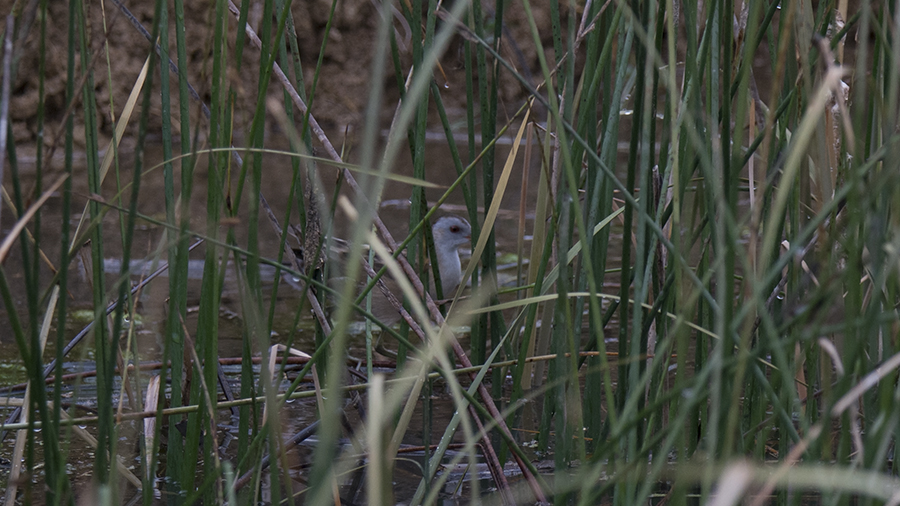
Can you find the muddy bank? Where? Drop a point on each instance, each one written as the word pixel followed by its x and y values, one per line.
pixel 344 79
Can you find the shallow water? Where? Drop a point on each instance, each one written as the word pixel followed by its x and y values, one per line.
pixel 150 318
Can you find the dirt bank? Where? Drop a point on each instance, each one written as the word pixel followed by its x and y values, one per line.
pixel 344 79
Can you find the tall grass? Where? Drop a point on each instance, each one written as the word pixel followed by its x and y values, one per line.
pixel 709 308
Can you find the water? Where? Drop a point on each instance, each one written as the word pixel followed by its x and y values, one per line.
pixel 149 320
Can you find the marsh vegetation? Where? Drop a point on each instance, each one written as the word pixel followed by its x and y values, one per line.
pixel 683 282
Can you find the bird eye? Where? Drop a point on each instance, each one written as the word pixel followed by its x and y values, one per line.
pixel 454 229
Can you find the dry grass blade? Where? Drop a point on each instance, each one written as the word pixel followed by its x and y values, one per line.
pixel 123 121
pixel 25 218
pixel 151 402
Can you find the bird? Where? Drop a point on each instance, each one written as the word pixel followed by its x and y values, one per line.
pixel 449 232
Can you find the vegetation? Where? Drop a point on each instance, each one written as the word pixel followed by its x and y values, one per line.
pixel 708 310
